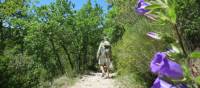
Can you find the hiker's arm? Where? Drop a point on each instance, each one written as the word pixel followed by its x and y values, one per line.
pixel 111 53
pixel 98 52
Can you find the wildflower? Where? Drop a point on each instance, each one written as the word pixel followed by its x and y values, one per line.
pixel 159 83
pixel 161 65
pixel 153 35
pixel 140 7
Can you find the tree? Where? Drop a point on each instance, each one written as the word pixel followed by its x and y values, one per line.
pixel 89 21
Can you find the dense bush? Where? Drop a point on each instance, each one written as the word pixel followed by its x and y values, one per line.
pixel 134 52
pixel 20 72
pixel 188 21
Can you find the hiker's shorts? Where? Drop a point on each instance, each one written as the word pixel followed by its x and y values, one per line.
pixel 104 61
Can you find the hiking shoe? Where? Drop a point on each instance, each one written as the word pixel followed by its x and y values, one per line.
pixel 103 74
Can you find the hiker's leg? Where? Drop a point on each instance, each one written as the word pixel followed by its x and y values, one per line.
pixel 105 68
pixel 102 70
pixel 107 71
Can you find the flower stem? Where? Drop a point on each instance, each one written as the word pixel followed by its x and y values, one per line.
pixel 180 40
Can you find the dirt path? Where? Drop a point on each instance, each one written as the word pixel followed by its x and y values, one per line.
pixel 94 80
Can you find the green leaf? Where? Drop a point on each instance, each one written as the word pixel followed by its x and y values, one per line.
pixel 166 1
pixel 154 6
pixel 176 49
pixel 163 4
pixel 163 16
pixel 197 80
pixel 195 55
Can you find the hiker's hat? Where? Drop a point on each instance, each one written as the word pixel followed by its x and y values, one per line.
pixel 106 43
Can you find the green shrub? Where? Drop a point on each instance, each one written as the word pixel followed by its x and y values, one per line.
pixel 19 72
pixel 133 53
pixel 188 21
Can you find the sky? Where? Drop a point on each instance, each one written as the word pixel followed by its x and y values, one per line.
pixel 78 3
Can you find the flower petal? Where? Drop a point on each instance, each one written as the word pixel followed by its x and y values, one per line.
pixel 172 70
pixel 159 83
pixel 157 62
pixel 160 65
pixel 140 7
pixel 153 35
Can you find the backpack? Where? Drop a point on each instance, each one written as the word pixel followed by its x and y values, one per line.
pixel 106 51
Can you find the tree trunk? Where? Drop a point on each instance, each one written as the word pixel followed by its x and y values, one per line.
pixel 2 46
pixel 68 55
pixel 57 55
pixel 79 61
pixel 22 43
pixel 85 52
pixel 66 51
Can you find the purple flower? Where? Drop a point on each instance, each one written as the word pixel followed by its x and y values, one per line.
pixel 157 62
pixel 162 66
pixel 153 35
pixel 159 83
pixel 140 8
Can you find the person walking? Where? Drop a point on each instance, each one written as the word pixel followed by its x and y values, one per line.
pixel 104 56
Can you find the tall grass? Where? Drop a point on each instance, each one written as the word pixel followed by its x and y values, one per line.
pixel 132 54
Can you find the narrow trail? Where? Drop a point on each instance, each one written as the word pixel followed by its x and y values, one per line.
pixel 94 80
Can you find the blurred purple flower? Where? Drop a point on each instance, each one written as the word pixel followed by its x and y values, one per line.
pixel 153 35
pixel 162 66
pixel 157 62
pixel 159 83
pixel 140 8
